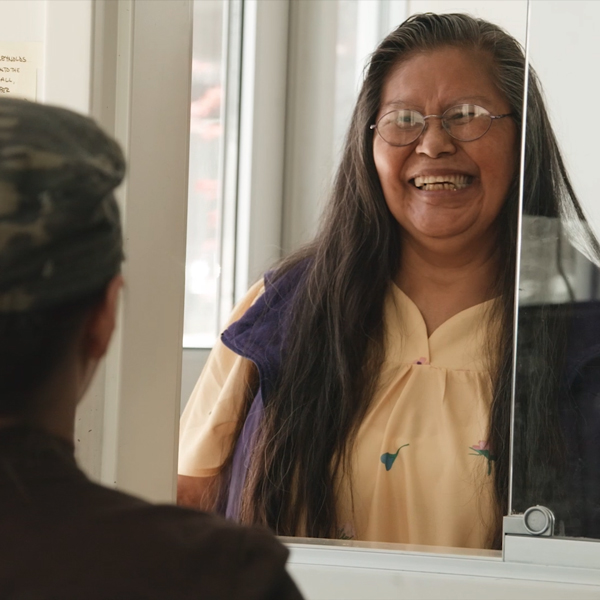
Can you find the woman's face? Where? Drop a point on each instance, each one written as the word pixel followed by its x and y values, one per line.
pixel 431 83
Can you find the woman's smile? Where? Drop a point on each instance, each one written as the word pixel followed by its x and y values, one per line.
pixel 435 183
pixel 443 190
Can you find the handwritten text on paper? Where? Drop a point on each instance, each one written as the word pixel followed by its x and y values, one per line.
pixel 19 64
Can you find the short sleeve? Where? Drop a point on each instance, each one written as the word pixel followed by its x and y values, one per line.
pixel 210 419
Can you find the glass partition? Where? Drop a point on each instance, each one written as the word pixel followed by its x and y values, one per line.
pixel 361 24
pixel 556 453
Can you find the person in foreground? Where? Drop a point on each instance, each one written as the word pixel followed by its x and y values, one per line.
pixel 362 389
pixel 62 536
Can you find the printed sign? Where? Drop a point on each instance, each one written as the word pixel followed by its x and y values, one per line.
pixel 19 64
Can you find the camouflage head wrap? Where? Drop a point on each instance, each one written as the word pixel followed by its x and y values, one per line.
pixel 60 230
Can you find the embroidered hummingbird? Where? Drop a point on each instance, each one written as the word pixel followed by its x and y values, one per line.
pixel 388 458
pixel 483 449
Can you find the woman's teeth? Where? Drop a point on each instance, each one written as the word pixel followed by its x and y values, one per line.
pixel 430 183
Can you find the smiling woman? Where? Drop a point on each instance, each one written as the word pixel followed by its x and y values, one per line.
pixel 362 390
pixel 444 192
pixel 483 166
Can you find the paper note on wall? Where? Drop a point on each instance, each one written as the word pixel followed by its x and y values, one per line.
pixel 19 63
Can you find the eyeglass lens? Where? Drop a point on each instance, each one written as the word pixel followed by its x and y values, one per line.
pixel 465 122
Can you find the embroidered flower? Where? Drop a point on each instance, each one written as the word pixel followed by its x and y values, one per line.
pixel 388 458
pixel 483 449
pixel 421 361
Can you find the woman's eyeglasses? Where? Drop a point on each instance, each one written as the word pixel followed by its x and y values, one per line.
pixel 464 122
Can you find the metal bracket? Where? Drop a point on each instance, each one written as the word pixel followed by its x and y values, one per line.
pixel 536 520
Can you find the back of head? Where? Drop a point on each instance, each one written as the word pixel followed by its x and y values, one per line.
pixel 60 237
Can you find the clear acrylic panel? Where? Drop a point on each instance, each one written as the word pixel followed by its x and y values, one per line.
pixel 556 452
pixel 361 25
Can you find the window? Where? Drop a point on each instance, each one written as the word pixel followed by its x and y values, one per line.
pixel 212 169
pixel 361 25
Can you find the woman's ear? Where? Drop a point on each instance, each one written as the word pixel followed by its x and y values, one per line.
pixel 101 321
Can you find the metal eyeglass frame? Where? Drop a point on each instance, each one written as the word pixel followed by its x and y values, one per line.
pixel 444 124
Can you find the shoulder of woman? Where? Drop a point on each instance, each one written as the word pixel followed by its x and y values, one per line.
pixel 271 293
pixel 249 299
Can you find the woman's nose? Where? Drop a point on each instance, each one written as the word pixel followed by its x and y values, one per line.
pixel 435 140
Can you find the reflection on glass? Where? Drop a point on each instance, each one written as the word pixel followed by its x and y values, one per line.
pixel 346 86
pixel 204 215
pixel 361 25
pixel 557 398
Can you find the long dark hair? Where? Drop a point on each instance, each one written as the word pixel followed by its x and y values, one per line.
pixel 335 344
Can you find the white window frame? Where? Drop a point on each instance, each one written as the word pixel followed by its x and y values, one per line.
pixel 140 90
pixel 65 80
pixel 194 359
pixel 352 570
pixel 262 140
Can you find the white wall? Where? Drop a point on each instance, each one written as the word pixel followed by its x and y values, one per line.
pixel 309 158
pixel 22 21
pixel 65 30
pixel 565 52
pixel 509 14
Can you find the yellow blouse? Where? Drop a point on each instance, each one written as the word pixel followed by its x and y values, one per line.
pixel 421 469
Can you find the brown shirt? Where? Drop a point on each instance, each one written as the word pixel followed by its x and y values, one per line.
pixel 64 537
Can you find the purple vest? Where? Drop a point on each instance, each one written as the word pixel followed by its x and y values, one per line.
pixel 259 336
